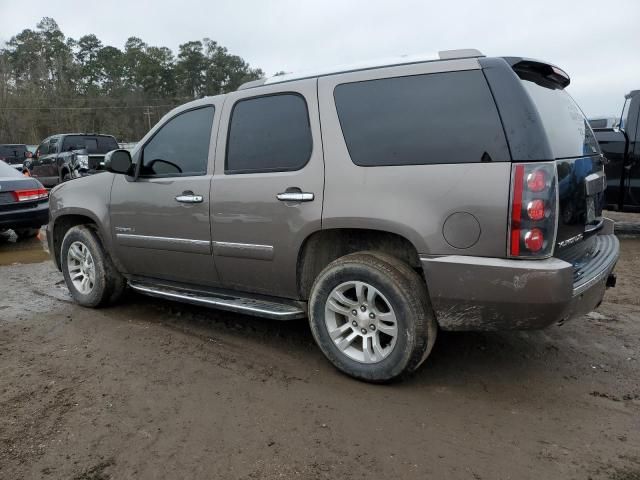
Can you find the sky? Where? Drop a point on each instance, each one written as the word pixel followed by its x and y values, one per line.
pixel 596 42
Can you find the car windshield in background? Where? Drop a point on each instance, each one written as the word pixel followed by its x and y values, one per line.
pixel 7 171
pixel 568 130
pixel 13 153
pixel 93 144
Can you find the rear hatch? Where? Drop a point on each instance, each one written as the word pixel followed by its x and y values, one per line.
pixel 579 163
pixel 92 148
pixel 14 154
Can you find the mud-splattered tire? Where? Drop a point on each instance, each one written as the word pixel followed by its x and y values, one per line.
pixel 104 283
pixel 371 317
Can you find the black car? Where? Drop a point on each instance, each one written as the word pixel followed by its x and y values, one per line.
pixel 71 155
pixel 24 202
pixel 621 145
pixel 14 154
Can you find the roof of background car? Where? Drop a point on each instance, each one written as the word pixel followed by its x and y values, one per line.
pixel 83 135
pixel 368 65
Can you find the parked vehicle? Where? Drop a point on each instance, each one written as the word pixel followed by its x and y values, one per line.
pixel 14 154
pixel 621 146
pixel 384 202
pixel 604 122
pixel 24 206
pixel 63 157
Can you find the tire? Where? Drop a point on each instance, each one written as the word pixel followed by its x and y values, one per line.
pixel 400 328
pixel 105 285
pixel 24 233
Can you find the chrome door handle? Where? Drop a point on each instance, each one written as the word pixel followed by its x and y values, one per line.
pixel 189 198
pixel 295 197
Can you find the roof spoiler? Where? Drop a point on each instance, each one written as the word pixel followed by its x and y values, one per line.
pixel 539 72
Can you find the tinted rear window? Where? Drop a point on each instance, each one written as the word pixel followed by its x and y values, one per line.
pixel 270 133
pixel 13 152
pixel 424 119
pixel 93 144
pixel 566 127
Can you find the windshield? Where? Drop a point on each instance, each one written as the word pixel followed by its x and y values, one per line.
pixel 91 143
pixel 567 129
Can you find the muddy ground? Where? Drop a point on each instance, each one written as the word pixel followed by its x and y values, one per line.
pixel 152 389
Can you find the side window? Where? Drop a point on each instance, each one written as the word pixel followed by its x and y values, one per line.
pixel 53 145
pixel 43 148
pixel 269 134
pixel 423 119
pixel 181 146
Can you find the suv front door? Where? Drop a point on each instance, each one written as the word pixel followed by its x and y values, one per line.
pixel 267 189
pixel 44 166
pixel 160 220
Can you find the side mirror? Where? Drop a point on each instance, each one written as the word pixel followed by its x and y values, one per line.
pixel 118 161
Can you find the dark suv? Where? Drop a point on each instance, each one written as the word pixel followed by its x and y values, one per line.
pixel 15 155
pixel 63 157
pixel 384 202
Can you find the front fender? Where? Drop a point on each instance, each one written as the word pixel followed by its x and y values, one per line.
pixel 87 197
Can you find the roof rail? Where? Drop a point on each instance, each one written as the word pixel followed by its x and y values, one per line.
pixel 402 60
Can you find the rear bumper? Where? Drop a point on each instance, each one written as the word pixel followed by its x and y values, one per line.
pixel 476 293
pixel 33 217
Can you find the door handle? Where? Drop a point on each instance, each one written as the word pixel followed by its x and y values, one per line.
pixel 188 197
pixel 295 197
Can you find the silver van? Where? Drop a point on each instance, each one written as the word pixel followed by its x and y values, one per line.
pixel 383 202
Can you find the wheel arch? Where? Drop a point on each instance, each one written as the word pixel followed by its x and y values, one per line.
pixel 63 223
pixel 324 246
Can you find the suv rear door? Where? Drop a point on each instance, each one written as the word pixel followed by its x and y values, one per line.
pixel 267 189
pixel 160 220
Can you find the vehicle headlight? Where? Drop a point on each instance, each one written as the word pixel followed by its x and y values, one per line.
pixel 82 161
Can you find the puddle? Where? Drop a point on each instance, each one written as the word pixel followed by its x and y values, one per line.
pixel 15 250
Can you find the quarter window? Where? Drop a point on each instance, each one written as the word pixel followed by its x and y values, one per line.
pixel 423 119
pixel 181 146
pixel 267 134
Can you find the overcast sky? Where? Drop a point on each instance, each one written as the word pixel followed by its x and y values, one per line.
pixel 596 42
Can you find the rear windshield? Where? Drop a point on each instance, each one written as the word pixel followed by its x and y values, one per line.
pixel 567 129
pixel 93 144
pixel 7 171
pixel 13 153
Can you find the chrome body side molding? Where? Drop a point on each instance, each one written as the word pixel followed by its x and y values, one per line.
pixel 164 243
pixel 243 250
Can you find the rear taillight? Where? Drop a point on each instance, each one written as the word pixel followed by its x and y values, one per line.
pixel 31 194
pixel 533 209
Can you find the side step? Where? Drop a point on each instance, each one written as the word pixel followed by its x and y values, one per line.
pixel 254 305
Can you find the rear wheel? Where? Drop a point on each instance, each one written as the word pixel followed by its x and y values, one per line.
pixel 370 315
pixel 88 270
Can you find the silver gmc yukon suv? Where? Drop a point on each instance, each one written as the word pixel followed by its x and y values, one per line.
pixel 383 202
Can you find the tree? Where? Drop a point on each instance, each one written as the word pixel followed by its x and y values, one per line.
pixel 53 84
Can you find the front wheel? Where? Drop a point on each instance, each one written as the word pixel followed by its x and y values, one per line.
pixel 89 273
pixel 370 315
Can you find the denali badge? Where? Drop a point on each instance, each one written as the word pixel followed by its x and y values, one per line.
pixel 570 241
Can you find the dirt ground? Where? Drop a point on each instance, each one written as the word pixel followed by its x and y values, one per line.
pixel 151 389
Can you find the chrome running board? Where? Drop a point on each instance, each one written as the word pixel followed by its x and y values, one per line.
pixel 255 306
